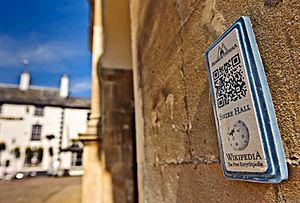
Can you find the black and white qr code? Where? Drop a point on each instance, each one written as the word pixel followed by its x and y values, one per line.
pixel 229 81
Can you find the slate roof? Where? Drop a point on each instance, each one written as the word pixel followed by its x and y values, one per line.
pixel 42 97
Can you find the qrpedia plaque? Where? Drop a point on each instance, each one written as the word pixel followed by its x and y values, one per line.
pixel 249 139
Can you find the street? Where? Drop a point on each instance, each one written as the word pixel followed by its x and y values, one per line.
pixel 41 189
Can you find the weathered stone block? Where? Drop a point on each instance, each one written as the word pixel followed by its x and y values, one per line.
pixel 117 120
pixel 289 191
pixel 180 134
pixel 202 183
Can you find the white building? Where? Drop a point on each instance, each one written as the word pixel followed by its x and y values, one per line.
pixel 39 127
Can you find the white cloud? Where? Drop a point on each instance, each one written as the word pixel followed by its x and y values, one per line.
pixel 13 51
pixel 80 85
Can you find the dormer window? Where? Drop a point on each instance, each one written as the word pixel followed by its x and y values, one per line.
pixel 39 111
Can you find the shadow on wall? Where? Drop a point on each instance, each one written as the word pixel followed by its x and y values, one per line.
pixel 117 136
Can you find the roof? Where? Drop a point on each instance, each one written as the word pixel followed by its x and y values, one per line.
pixel 42 97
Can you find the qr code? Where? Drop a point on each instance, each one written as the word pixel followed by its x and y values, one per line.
pixel 229 82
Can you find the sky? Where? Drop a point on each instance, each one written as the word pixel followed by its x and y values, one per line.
pixel 53 36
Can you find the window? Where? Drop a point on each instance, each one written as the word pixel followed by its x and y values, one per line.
pixel 76 159
pixel 36 132
pixel 39 111
pixel 33 156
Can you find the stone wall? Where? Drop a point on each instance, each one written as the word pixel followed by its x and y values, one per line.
pixel 118 134
pixel 181 157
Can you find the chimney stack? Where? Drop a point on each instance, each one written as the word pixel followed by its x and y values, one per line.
pixel 64 86
pixel 24 81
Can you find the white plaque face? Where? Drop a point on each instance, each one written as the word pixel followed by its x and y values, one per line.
pixel 248 134
pixel 240 136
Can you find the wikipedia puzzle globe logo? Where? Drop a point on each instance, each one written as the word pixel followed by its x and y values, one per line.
pixel 238 136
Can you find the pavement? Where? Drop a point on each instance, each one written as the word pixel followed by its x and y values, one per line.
pixel 41 190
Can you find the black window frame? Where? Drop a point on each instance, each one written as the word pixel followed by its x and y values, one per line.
pixel 76 159
pixel 39 110
pixel 36 132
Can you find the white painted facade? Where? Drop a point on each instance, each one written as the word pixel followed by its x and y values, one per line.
pixel 60 122
pixel 16 123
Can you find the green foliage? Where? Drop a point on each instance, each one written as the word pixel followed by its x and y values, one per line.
pixel 2 146
pixel 51 151
pixel 17 152
pixel 28 155
pixel 50 137
pixel 33 157
pixel 40 153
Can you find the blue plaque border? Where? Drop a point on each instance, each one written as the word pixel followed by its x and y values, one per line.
pixel 267 123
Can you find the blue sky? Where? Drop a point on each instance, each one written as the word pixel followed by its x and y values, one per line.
pixel 52 35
